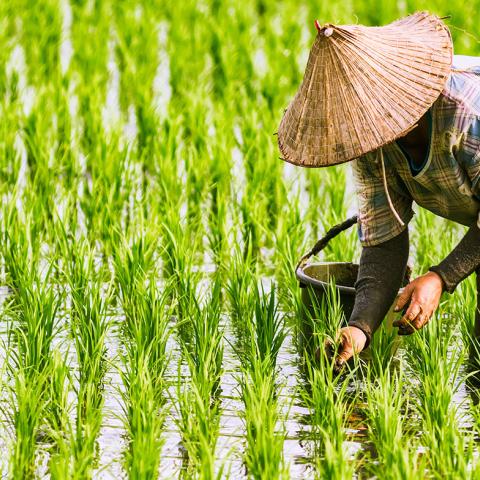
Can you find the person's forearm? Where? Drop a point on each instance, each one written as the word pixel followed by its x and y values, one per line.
pixel 380 275
pixel 461 262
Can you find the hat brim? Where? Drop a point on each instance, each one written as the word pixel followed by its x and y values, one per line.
pixel 363 88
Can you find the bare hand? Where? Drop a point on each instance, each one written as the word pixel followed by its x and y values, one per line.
pixel 423 295
pixel 350 340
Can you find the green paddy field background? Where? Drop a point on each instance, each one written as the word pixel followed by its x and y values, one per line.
pixel 150 316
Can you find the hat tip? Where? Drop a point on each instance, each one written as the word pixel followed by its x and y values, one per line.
pixel 326 30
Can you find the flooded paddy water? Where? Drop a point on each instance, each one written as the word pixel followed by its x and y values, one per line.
pixel 150 314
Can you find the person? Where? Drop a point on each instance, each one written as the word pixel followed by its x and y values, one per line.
pixel 405 111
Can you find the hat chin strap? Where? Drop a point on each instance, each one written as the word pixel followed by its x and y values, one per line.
pixel 385 185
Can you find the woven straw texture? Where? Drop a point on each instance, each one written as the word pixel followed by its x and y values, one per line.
pixel 364 87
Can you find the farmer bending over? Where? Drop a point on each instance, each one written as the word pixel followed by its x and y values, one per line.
pixel 395 101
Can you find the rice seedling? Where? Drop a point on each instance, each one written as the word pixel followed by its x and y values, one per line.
pixel 260 391
pixel 89 328
pixel 436 361
pixel 60 463
pixel 263 423
pixel 145 333
pixel 199 398
pixel 145 360
pixel 33 312
pixel 325 394
pixel 396 449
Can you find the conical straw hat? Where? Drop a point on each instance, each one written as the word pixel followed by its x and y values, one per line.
pixel 364 87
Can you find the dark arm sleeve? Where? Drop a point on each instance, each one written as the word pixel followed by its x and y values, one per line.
pixel 381 272
pixel 462 261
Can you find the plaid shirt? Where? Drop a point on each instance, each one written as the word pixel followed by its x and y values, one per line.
pixel 448 184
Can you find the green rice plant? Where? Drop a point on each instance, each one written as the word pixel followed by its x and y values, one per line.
pixel 316 317
pixel 144 413
pixel 196 156
pixel 179 259
pixel 145 333
pixel 314 182
pixel 250 229
pixel 264 193
pixel 59 388
pixel 60 463
pixel 32 310
pixel 199 400
pixel 289 247
pixel 387 410
pixel 317 321
pixel 239 289
pixel 66 157
pixel 28 410
pixel 168 192
pixel 22 236
pixel 40 38
pixel 324 394
pixel 199 427
pixel 265 431
pixel 264 329
pixel 6 44
pixel 328 397
pixel 89 67
pixel 333 196
pixel 220 183
pixel 88 328
pixel 259 391
pixel 10 158
pixel 205 356
pixel 383 348
pixel 267 329
pixel 133 260
pixel 328 312
pixel 217 234
pixel 463 309
pixel 105 200
pixel 146 328
pixel 38 137
pixel 240 282
pixel 436 360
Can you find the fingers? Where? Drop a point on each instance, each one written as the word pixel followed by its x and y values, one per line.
pixel 404 297
pixel 345 351
pixel 422 296
pixel 349 340
pixel 343 356
pixel 338 352
pixel 420 321
pixel 411 314
pixel 407 326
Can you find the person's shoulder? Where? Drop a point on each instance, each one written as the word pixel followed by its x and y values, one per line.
pixel 463 85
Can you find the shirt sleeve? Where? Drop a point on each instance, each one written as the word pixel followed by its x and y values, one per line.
pixel 376 221
pixel 380 275
pixel 468 156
